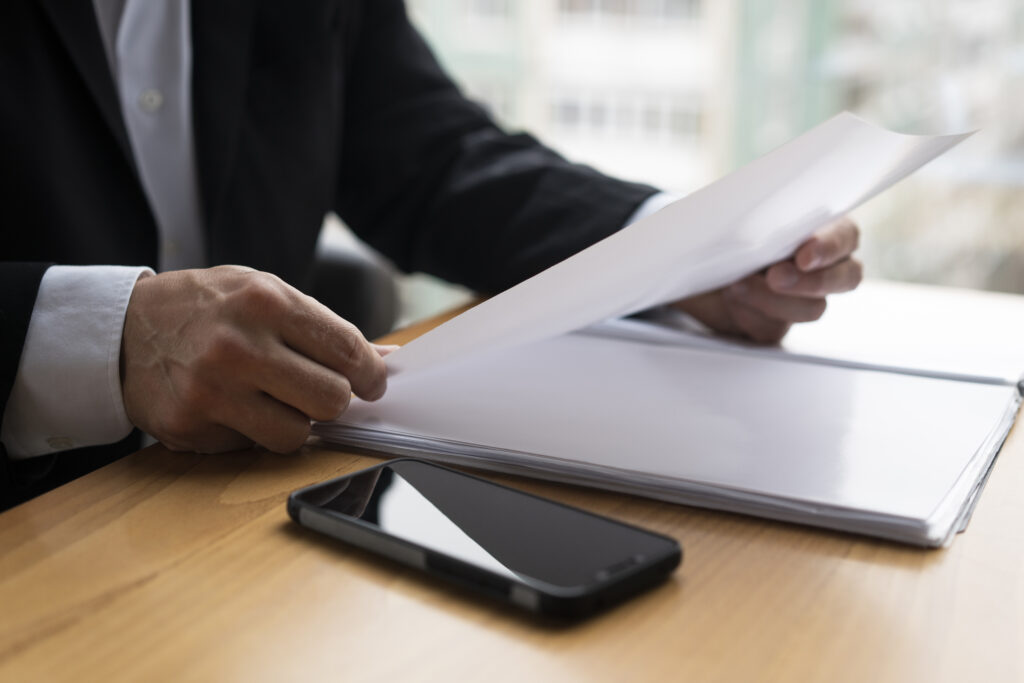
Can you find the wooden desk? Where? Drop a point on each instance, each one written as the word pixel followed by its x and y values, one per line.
pixel 171 566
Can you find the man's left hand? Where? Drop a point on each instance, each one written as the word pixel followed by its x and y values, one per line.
pixel 763 306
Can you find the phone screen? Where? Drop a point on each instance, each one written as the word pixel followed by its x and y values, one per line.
pixel 489 526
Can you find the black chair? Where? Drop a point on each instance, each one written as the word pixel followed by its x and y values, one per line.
pixel 355 285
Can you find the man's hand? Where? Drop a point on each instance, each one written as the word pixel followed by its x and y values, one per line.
pixel 218 359
pixel 764 305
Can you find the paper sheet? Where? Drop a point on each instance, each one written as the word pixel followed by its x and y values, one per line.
pixel 891 326
pixel 871 446
pixel 733 227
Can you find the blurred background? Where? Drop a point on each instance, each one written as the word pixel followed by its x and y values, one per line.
pixel 677 93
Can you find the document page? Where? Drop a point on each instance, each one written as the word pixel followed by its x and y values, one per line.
pixel 797 436
pixel 733 227
pixel 894 326
pixel 940 331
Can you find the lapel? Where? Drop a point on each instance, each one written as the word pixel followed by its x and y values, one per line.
pixel 77 27
pixel 221 35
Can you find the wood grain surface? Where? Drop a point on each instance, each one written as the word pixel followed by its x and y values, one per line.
pixel 169 566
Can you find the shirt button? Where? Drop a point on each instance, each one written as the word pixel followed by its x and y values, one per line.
pixel 60 443
pixel 151 100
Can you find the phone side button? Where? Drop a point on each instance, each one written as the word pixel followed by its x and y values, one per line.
pixel 524 597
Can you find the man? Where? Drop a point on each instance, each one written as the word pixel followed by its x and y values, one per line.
pixel 173 135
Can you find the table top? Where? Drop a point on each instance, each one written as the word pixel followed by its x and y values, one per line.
pixel 182 566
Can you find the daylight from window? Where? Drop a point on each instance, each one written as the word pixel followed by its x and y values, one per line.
pixel 677 93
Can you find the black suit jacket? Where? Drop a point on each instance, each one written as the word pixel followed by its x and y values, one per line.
pixel 299 109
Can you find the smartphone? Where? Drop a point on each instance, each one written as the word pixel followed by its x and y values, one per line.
pixel 540 555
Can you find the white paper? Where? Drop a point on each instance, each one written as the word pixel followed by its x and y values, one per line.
pixel 894 326
pixel 934 330
pixel 733 227
pixel 787 435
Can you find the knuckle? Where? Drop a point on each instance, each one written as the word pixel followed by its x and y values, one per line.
pixel 263 293
pixel 225 347
pixel 378 379
pixel 349 343
pixel 338 402
pixel 230 269
pixel 782 277
pixel 335 400
pixel 837 249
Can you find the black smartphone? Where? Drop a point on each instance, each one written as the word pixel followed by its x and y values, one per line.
pixel 541 555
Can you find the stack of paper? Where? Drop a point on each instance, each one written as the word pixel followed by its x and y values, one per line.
pixel 857 440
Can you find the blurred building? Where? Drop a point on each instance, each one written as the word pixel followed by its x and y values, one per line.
pixel 949 65
pixel 678 92
pixel 626 85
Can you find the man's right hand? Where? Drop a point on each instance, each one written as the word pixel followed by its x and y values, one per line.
pixel 218 359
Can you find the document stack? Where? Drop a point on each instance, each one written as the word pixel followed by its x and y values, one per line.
pixel 884 418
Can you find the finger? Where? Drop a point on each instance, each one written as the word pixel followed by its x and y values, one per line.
pixel 710 308
pixel 755 293
pixel 211 439
pixel 829 245
pixel 757 326
pixel 297 381
pixel 385 349
pixel 844 276
pixel 266 421
pixel 315 331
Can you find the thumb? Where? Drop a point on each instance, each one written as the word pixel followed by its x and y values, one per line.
pixel 385 349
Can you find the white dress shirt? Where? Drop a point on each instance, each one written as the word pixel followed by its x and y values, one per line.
pixel 67 391
pixel 149 47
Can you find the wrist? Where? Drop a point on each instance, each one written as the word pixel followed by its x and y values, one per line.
pixel 145 275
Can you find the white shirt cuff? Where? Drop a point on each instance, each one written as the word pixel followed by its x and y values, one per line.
pixel 656 202
pixel 67 392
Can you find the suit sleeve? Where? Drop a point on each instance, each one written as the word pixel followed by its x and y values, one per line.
pixel 19 284
pixel 428 179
